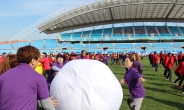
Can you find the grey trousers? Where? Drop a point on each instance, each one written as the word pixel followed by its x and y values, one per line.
pixel 134 104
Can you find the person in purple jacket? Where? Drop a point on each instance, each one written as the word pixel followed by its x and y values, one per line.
pixel 137 62
pixel 83 55
pixel 22 86
pixel 134 81
pixel 55 67
pixel 105 59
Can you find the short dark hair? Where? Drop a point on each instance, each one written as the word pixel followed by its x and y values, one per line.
pixel 27 53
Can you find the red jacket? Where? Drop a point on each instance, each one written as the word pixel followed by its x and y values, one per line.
pixel 175 58
pixel 162 56
pixel 166 60
pixel 170 62
pixel 180 68
pixel 46 63
pixel 155 58
pixel 180 56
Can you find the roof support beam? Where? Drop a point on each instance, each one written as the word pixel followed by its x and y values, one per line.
pixel 111 14
pixel 171 10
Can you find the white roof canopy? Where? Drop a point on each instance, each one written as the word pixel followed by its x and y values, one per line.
pixel 116 11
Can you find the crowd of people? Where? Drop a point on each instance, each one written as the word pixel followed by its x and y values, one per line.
pixel 28 62
pixel 169 61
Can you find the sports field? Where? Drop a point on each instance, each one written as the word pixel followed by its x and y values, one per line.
pixel 160 93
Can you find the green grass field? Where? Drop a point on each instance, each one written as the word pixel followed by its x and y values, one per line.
pixel 160 93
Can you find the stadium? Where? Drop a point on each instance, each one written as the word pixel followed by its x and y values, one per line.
pixel 117 26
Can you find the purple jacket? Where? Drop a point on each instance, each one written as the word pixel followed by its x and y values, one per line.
pixel 135 86
pixel 51 76
pixel 105 59
pixel 138 65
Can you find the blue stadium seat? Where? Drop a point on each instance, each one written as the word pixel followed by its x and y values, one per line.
pixel 77 36
pixel 121 46
pixel 174 30
pixel 64 45
pixel 100 46
pixel 38 44
pixel 138 46
pixel 66 36
pixel 50 44
pixel 150 30
pixel 96 34
pixel 182 29
pixel 86 34
pixel 90 46
pixel 128 31
pixel 139 31
pixel 19 44
pixel 162 45
pixel 77 46
pixel 118 32
pixel 5 46
pixel 178 44
pixel 163 31
pixel 107 32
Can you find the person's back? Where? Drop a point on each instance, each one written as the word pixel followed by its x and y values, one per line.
pixel 20 88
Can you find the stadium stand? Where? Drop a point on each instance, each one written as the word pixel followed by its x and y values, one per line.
pixel 77 46
pixel 162 46
pixel 76 35
pixel 5 46
pixel 50 44
pixel 121 46
pixel 19 44
pixel 38 44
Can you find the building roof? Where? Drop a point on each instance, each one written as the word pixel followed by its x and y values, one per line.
pixel 116 11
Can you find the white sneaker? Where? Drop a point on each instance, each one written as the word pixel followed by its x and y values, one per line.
pixel 183 92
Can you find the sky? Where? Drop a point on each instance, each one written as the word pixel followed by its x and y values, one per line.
pixel 16 15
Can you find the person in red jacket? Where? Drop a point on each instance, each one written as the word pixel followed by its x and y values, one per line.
pixel 162 57
pixel 155 60
pixel 165 63
pixel 46 63
pixel 180 73
pixel 169 66
pixel 180 57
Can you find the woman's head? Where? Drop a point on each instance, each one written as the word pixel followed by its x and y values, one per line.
pixel 29 55
pixel 60 58
pixel 129 61
pixel 83 53
pixel 9 61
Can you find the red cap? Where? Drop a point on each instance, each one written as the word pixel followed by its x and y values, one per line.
pixel 73 54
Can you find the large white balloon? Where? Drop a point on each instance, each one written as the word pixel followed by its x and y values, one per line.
pixel 86 85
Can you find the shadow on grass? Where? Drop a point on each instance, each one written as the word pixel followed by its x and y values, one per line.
pixel 176 88
pixel 162 91
pixel 166 102
pixel 158 84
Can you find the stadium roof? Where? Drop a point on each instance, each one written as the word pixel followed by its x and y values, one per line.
pixel 116 11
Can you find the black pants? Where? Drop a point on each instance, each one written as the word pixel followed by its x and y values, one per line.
pixel 165 71
pixel 180 77
pixel 169 75
pixel 161 61
pixel 46 73
pixel 179 61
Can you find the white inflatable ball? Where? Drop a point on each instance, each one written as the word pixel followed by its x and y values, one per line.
pixel 86 85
